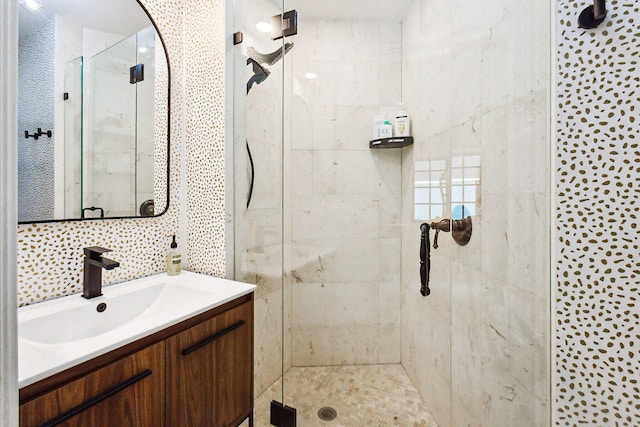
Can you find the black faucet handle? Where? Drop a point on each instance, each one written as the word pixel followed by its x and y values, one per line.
pixel 95 252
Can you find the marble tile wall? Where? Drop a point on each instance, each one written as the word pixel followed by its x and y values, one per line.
pixel 345 198
pixel 475 82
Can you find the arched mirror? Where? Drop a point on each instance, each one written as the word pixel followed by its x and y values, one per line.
pixel 93 111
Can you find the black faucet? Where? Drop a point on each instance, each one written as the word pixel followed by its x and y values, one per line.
pixel 93 265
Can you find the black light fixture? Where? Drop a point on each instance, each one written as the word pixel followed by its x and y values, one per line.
pixel 593 16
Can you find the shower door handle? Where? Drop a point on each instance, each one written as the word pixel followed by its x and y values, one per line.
pixel 253 176
pixel 425 260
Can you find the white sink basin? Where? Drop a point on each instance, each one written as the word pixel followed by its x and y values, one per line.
pixel 86 320
pixel 57 334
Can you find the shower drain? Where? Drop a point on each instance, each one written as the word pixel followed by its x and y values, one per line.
pixel 327 413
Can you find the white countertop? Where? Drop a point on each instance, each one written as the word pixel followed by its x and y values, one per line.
pixel 58 334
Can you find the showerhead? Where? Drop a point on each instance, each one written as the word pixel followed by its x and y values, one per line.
pixel 256 59
pixel 593 16
pixel 268 58
pixel 260 74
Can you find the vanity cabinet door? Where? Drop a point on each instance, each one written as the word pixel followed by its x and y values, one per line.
pixel 129 392
pixel 210 371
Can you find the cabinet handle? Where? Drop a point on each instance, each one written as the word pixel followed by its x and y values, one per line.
pixel 212 338
pixel 95 400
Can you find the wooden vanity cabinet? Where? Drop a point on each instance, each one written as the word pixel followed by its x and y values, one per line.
pixel 210 371
pixel 128 392
pixel 198 373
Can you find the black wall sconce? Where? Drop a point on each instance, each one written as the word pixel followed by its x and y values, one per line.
pixel 593 16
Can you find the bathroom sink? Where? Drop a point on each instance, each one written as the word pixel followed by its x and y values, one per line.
pixel 57 334
pixel 90 318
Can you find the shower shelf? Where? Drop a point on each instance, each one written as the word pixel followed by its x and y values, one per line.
pixel 397 142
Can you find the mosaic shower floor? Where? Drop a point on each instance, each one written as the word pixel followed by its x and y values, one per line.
pixel 367 395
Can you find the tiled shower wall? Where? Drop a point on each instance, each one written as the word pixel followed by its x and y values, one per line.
pixel 345 197
pixel 596 202
pixel 50 255
pixel 476 83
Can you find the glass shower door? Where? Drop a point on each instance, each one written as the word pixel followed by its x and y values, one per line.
pixel 333 239
pixel 258 231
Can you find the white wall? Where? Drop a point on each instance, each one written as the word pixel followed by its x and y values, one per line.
pixel 476 83
pixel 8 212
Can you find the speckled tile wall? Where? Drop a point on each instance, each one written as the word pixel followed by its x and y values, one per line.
pixel 50 254
pixel 204 48
pixel 597 199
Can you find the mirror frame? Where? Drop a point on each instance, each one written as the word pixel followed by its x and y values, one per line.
pixel 168 169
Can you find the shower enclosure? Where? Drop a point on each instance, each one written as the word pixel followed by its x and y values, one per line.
pixel 329 228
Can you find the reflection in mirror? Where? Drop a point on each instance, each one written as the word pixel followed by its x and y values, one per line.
pixel 92 112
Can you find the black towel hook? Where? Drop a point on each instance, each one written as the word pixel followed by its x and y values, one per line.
pixel 592 16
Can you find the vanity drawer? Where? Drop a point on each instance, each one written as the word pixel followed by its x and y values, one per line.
pixel 210 371
pixel 128 392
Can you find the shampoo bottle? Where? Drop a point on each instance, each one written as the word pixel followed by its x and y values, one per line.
pixel 378 121
pixel 402 124
pixel 174 260
pixel 387 130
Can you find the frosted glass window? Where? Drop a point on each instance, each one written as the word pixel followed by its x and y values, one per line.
pixel 457 194
pixel 422 196
pixel 430 183
pixel 465 183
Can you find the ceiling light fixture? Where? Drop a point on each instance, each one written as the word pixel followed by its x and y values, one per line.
pixel 32 4
pixel 264 27
pixel 310 76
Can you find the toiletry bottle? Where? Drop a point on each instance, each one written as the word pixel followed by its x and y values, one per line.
pixel 378 121
pixel 174 260
pixel 387 130
pixel 402 124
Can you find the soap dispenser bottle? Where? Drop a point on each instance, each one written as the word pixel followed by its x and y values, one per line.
pixel 174 260
pixel 402 124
